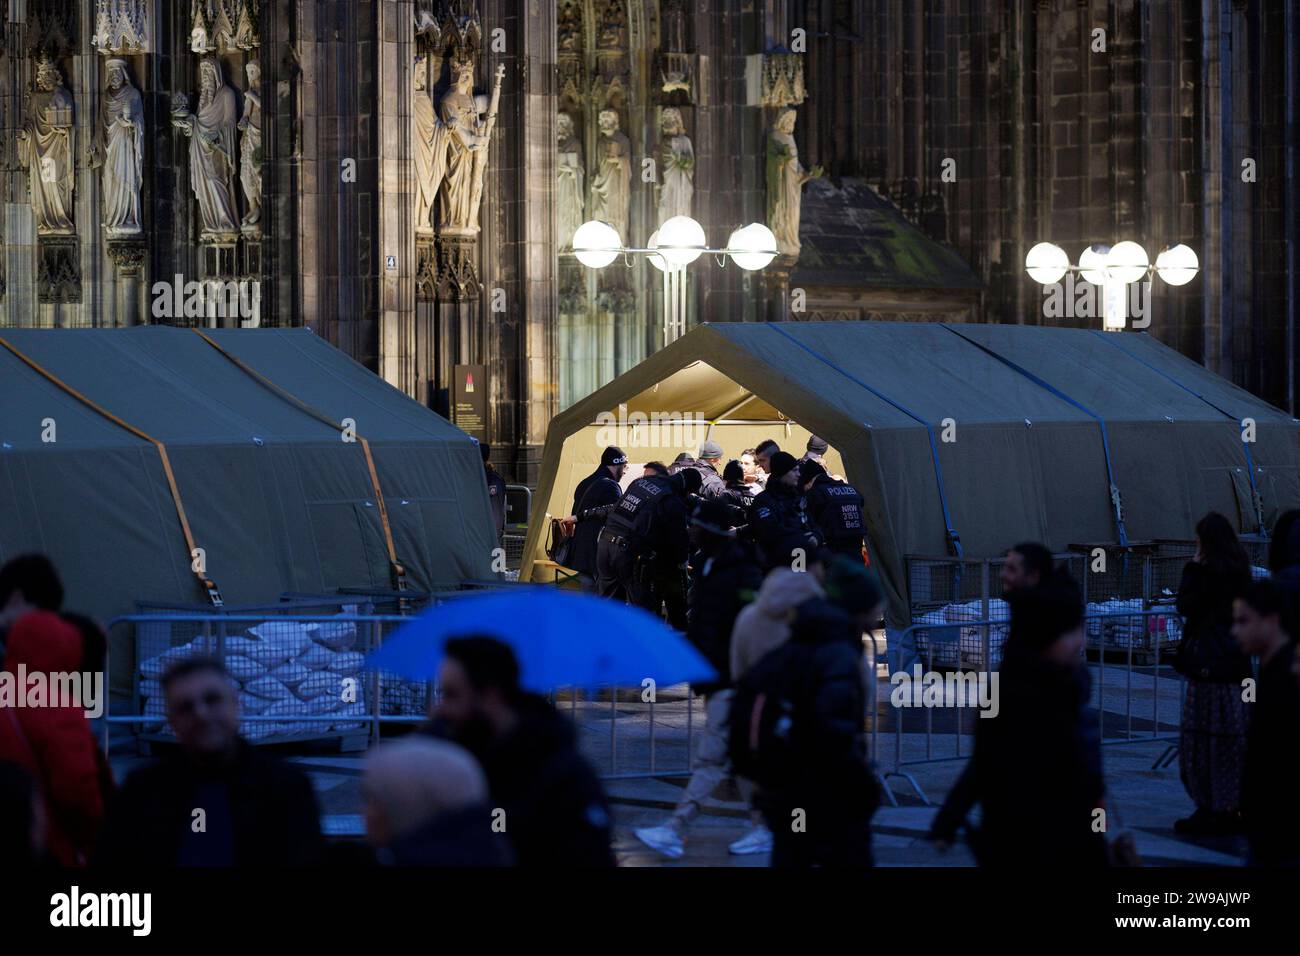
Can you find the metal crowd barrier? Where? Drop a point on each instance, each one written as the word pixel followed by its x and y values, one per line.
pixel 625 732
pixel 1135 702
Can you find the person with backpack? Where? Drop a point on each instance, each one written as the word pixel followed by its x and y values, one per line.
pixel 834 508
pixel 1212 738
pixel 725 578
pixel 643 548
pixel 797 722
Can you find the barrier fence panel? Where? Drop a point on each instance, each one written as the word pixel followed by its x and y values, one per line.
pixel 934 707
pixel 301 680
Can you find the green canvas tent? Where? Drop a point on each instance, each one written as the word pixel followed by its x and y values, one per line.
pixel 273 494
pixel 959 436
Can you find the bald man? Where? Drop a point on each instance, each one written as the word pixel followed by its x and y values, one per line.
pixel 426 805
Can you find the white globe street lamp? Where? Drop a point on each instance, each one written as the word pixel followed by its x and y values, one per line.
pixel 1092 263
pixel 596 244
pixel 681 241
pixel 1046 263
pixel 1127 262
pixel 1177 265
pixel 752 247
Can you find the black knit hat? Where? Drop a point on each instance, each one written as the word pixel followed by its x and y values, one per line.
pixel 782 462
pixel 613 456
pixel 809 469
pixel 691 479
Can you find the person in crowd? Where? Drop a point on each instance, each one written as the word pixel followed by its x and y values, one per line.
pixel 1283 544
pixel 1264 626
pixel 754 478
pixel 594 498
pixel 28 582
pixel 644 546
pixel 94 642
pixel 496 489
pixel 550 800
pixel 684 460
pixel 426 805
pixel 54 743
pixel 216 800
pixel 724 579
pixel 777 520
pixel 835 509
pixel 1212 739
pixel 1025 565
pixel 819 794
pixel 737 493
pixel 815 450
pixel 763 457
pixel 1045 818
pixel 712 484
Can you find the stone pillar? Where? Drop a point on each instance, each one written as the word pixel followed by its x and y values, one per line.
pixel 128 257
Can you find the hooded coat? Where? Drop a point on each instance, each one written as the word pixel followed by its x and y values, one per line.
pixel 55 744
pixel 764 625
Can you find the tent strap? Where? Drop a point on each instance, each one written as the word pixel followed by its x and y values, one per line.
pixel 208 585
pixel 1116 501
pixel 396 571
pixel 1256 499
pixel 954 540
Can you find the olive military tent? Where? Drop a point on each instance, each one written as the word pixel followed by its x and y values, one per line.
pixel 962 438
pixel 122 451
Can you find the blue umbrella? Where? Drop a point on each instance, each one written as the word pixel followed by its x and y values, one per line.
pixel 560 638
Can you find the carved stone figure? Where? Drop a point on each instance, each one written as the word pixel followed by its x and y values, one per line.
pixel 212 150
pixel 121 26
pixel 678 159
pixel 119 149
pixel 430 141
pixel 611 186
pixel 785 181
pixel 467 143
pixel 250 146
pixel 46 146
pixel 569 170
pixel 223 25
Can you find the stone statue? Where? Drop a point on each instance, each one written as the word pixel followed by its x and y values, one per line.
pixel 569 189
pixel 119 149
pixel 785 181
pixel 250 146
pixel 678 158
pixel 212 149
pixel 430 146
pixel 611 186
pixel 467 143
pixel 46 146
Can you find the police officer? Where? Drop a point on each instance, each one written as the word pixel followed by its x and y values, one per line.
pixel 642 550
pixel 496 488
pixel 835 509
pixel 594 498
pixel 737 492
pixel 711 484
pixel 777 522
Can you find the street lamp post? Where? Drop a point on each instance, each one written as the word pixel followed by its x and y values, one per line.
pixel 1113 268
pixel 671 248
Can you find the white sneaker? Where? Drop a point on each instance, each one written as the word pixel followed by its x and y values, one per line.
pixel 663 840
pixel 757 840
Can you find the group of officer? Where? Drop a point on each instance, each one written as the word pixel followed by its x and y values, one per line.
pixel 636 544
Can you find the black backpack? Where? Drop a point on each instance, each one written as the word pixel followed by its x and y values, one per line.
pixel 769 716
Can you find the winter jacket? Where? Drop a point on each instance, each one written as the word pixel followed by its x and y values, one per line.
pixel 721 585
pixel 555 809
pixel 496 488
pixel 1268 804
pixel 55 744
pixel 1041 817
pixel 1205 600
pixel 265 807
pixel 765 624
pixel 835 781
pixel 591 504
pixel 457 838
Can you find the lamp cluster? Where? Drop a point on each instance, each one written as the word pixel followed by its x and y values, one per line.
pixel 1123 262
pixel 675 245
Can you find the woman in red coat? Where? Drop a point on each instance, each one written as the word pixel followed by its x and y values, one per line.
pixel 54 744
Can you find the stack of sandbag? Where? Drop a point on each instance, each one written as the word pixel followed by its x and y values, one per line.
pixel 284 669
pixel 1116 631
pixel 964 643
